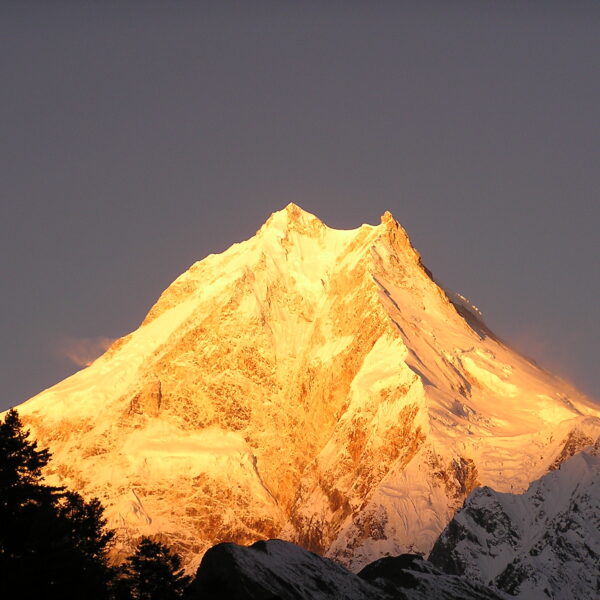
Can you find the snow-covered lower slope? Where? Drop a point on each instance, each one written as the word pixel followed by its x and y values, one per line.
pixel 311 384
pixel 542 544
pixel 410 577
pixel 278 569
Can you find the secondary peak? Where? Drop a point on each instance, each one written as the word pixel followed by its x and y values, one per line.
pixel 387 217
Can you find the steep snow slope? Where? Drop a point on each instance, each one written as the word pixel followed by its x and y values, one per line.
pixel 311 384
pixel 542 544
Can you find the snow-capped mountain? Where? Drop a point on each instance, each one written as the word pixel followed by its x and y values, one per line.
pixel 310 384
pixel 542 544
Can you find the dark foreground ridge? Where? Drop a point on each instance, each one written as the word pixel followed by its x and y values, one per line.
pixel 278 570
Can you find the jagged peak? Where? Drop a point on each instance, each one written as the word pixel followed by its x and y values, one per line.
pixel 390 224
pixel 296 213
pixel 387 218
pixel 293 217
pixel 396 235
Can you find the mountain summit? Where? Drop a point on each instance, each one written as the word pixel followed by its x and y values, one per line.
pixel 311 384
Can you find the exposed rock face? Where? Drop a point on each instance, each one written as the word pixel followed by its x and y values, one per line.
pixel 542 544
pixel 311 384
pixel 276 569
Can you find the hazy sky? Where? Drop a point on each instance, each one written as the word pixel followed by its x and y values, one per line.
pixel 137 137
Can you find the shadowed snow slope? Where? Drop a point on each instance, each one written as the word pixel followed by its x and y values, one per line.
pixel 277 569
pixel 310 384
pixel 542 544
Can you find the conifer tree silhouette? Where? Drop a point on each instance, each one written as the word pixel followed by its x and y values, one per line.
pixel 53 543
pixel 153 572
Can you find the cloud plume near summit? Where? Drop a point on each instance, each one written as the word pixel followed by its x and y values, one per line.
pixel 85 350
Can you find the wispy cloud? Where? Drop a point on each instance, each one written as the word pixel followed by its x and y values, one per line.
pixel 83 351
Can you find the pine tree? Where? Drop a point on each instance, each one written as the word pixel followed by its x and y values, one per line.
pixel 53 543
pixel 21 466
pixel 25 502
pixel 153 572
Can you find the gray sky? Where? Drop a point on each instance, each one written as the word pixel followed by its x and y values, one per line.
pixel 136 138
